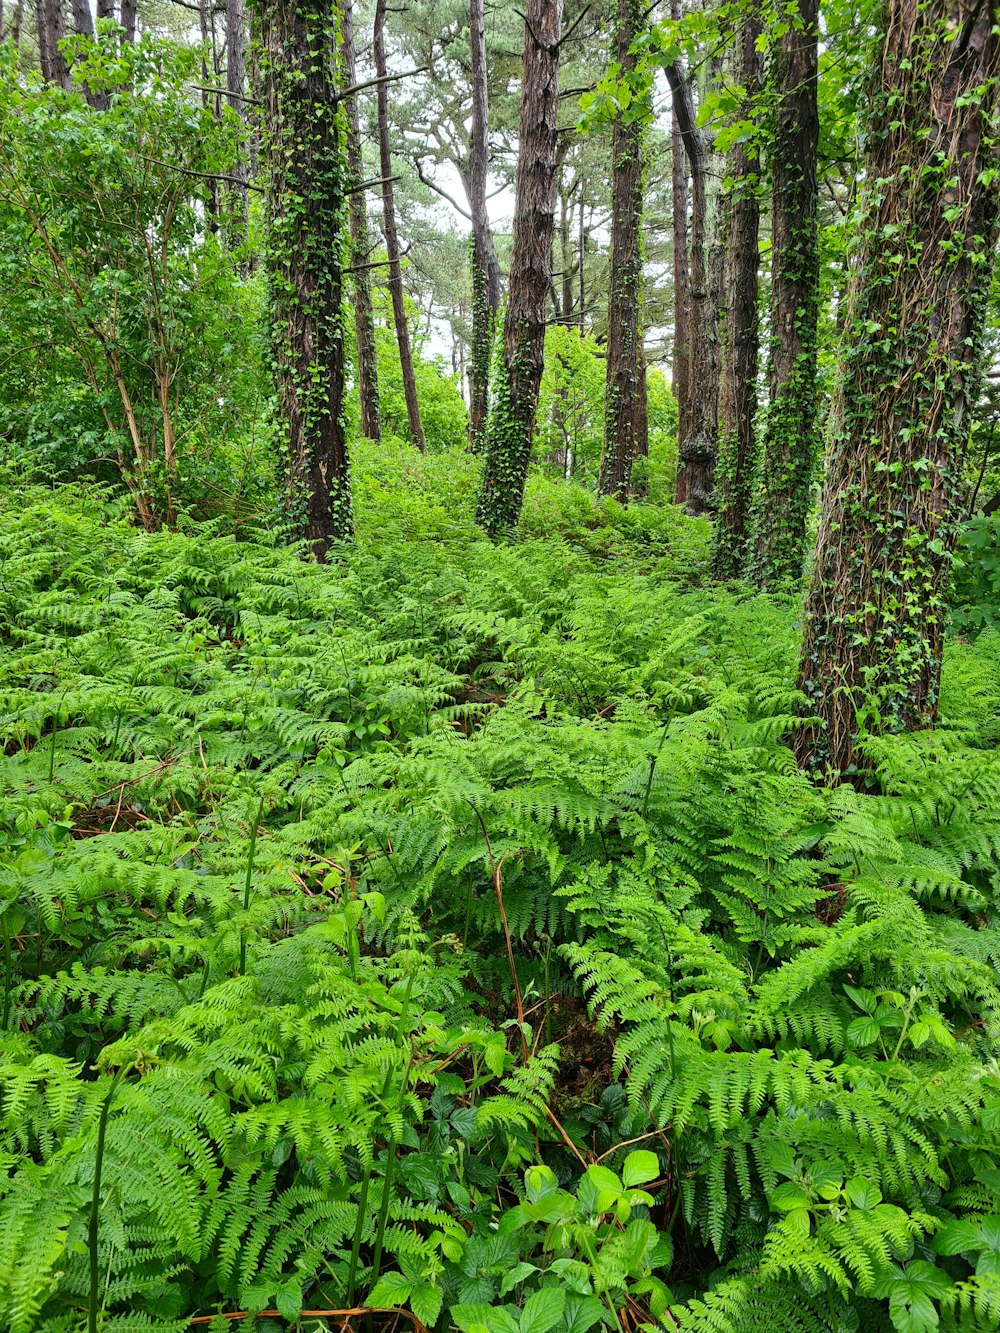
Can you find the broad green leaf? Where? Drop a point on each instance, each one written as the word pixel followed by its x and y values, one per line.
pixel 542 1310
pixel 640 1167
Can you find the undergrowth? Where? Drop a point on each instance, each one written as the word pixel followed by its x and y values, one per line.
pixel 449 928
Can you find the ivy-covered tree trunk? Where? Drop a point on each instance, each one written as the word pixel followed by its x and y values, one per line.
pixel 306 171
pixel 624 417
pixel 909 376
pixel 738 388
pixel 485 269
pixel 361 246
pixel 512 420
pixel 790 452
pixel 391 237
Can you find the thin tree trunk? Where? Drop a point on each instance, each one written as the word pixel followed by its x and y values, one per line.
pixel 236 78
pixel 581 270
pixel 509 437
pixel 391 238
pixel 485 269
pixel 305 204
pixel 361 247
pixel 681 369
pixel 910 375
pixel 791 445
pixel 738 390
pixel 696 452
pixel 128 18
pixel 51 32
pixel 17 25
pixel 625 382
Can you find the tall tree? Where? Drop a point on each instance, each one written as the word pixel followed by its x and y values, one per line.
pixel 306 242
pixel 485 269
pixel 51 31
pixel 682 265
pixel 361 246
pixel 697 442
pixel 738 389
pixel 391 237
pixel 790 439
pixel 511 425
pixel 909 375
pixel 128 19
pixel 624 414
pixel 236 77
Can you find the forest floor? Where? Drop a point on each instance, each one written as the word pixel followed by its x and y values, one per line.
pixel 382 881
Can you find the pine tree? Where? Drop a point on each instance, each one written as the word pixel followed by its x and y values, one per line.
pixel 789 452
pixel 306 243
pixel 909 375
pixel 624 413
pixel 508 443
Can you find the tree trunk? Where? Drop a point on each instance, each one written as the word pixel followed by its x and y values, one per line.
pixel 626 379
pixel 17 24
pixel 361 247
pixel 909 376
pixel 680 371
pixel 485 269
pixel 511 426
pixel 696 452
pixel 790 452
pixel 82 20
pixel 305 205
pixel 128 15
pixel 392 240
pixel 51 32
pixel 105 9
pixel 738 390
pixel 236 79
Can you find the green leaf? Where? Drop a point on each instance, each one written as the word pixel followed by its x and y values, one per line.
pixel 542 1310
pixel 390 1290
pixel 863 1032
pixel 789 1196
pixel 862 1193
pixel 640 1167
pixel 957 1237
pixel 426 1300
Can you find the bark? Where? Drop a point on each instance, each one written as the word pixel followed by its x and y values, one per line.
pixel 128 18
pixel 682 277
pixel 508 445
pixel 485 269
pixel 105 9
pixel 697 448
pixel 306 208
pixel 391 238
pixel 17 24
pixel 82 19
pixel 361 246
pixel 625 384
pixel 910 375
pixel 236 78
pixel 790 450
pixel 681 369
pixel 738 389
pixel 51 31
